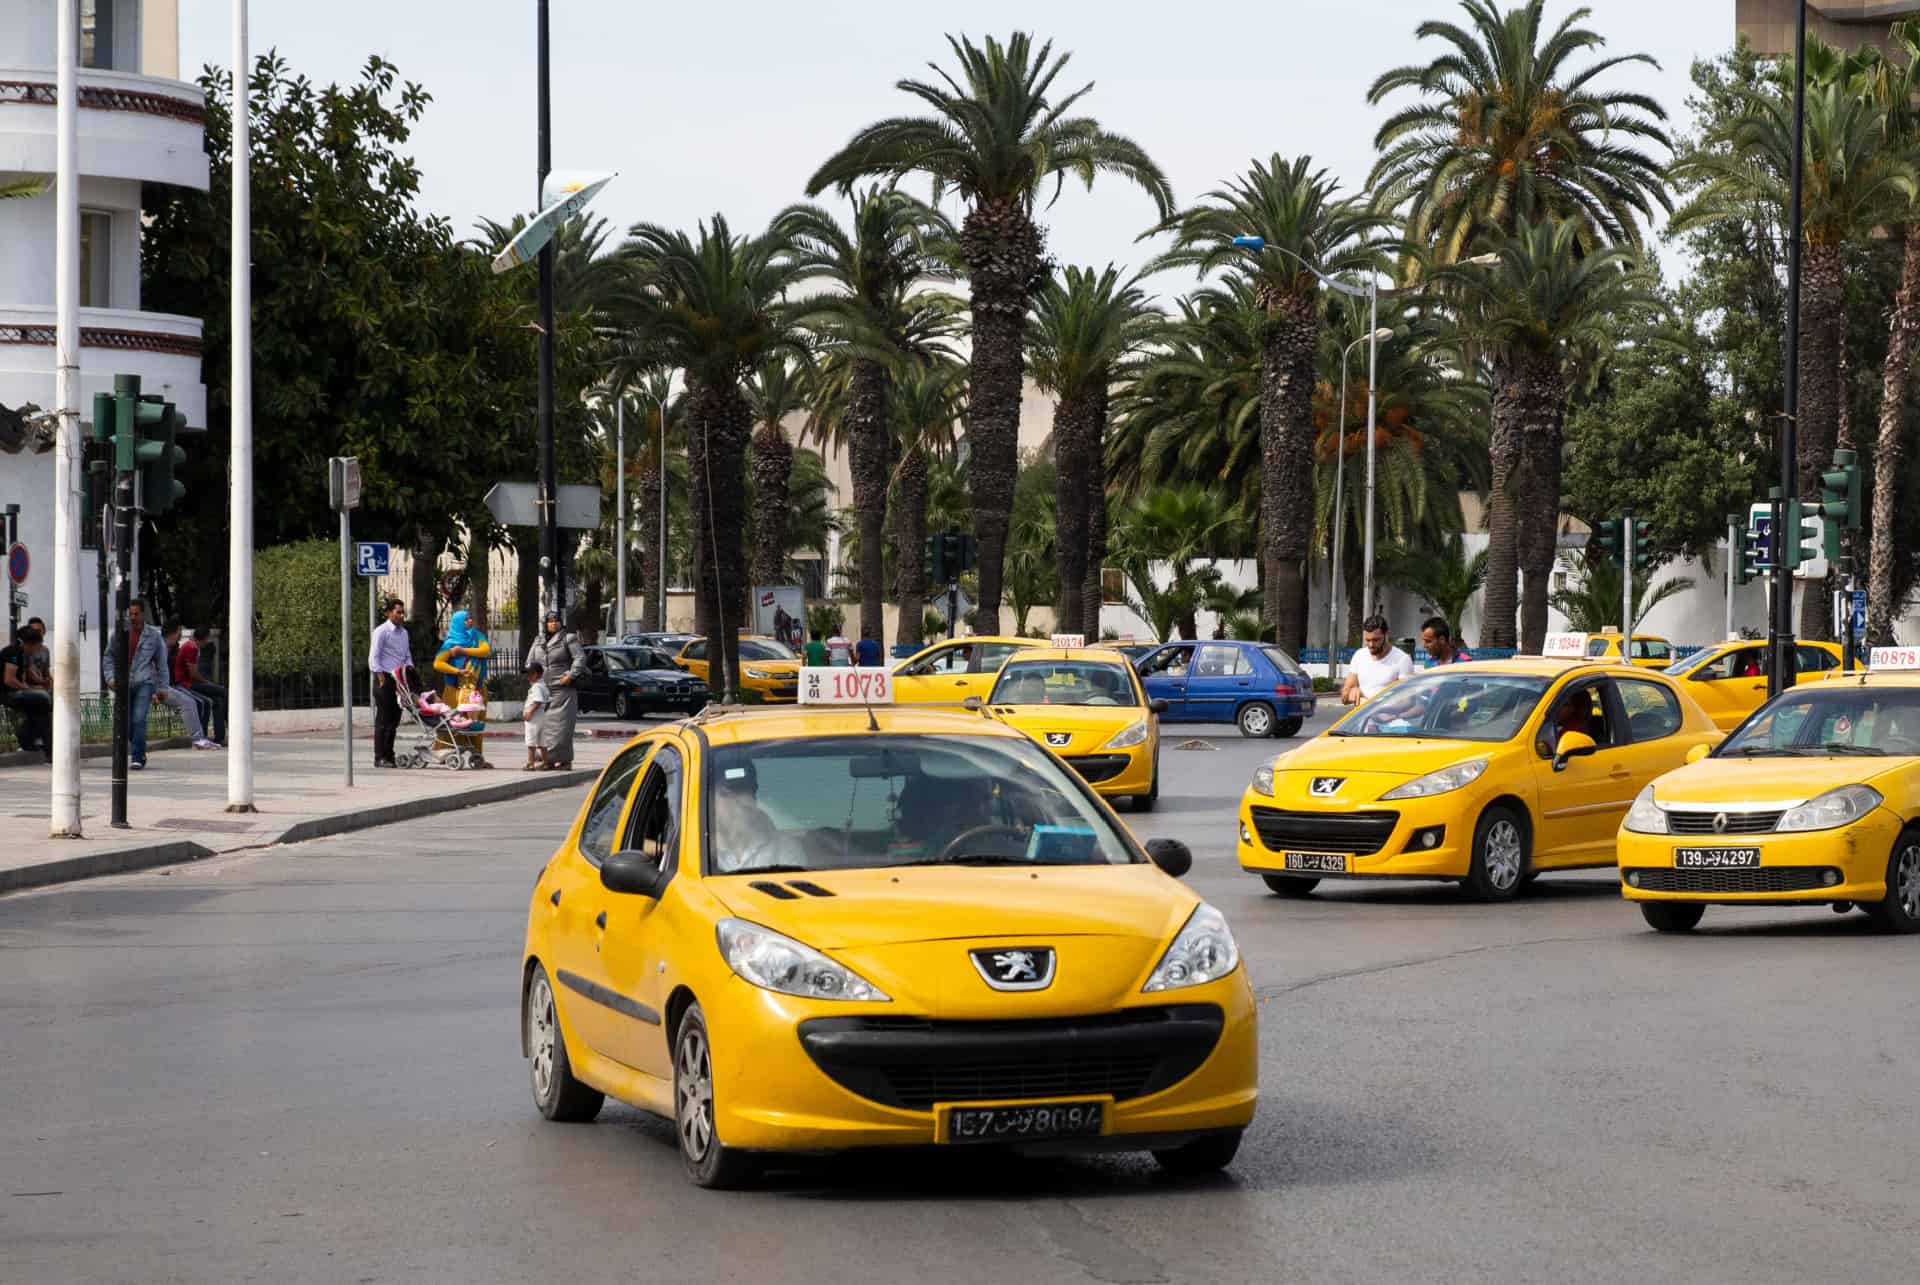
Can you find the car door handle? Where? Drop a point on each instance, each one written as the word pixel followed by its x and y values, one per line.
pixel 600 920
pixel 1241 683
pixel 1619 773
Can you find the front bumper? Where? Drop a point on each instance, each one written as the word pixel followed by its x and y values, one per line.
pixel 656 701
pixel 1116 772
pixel 1379 840
pixel 799 1075
pixel 1813 868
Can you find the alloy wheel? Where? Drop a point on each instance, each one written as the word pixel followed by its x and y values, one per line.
pixel 693 1093
pixel 1907 880
pixel 1503 854
pixel 540 1037
pixel 1256 721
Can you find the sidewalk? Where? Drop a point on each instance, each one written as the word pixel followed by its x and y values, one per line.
pixel 177 805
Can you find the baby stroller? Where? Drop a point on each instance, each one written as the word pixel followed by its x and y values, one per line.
pixel 434 723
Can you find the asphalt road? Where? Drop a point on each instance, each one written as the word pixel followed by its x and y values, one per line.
pixel 301 1065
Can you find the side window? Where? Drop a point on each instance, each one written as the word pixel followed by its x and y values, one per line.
pixel 1578 709
pixel 1811 660
pixel 1216 662
pixel 1596 646
pixel 654 827
pixel 1171 661
pixel 1652 711
pixel 695 651
pixel 940 662
pixel 602 825
pixel 1746 662
pixel 990 656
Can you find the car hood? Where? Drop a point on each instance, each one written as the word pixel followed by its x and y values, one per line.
pixel 1086 727
pixel 1785 781
pixel 1384 755
pixel 772 666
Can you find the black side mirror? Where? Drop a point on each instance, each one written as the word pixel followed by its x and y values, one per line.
pixel 1156 706
pixel 633 872
pixel 1171 855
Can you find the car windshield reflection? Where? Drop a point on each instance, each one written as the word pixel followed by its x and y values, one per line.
pixel 1451 705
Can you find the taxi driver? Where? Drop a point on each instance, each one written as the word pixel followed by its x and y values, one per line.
pixel 744 836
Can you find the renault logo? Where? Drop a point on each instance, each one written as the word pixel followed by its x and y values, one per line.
pixel 1719 823
pixel 1058 739
pixel 1324 786
pixel 1015 968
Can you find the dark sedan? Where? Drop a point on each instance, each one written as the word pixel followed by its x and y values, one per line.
pixel 635 681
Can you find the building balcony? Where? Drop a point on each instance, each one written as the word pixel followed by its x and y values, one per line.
pixel 162 348
pixel 145 128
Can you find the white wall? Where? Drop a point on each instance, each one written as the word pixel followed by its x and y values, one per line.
pixel 27 480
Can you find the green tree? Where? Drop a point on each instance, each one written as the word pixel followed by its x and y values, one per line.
pixel 995 134
pixel 1445 576
pixel 1033 562
pixel 779 387
pixel 1181 529
pixel 1594 604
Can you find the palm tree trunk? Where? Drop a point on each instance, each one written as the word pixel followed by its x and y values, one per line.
pixel 719 424
pixel 867 428
pixel 1091 593
pixel 652 538
pixel 910 535
pixel 1902 332
pixel 1286 460
pixel 1822 299
pixel 424 610
pixel 772 474
pixel 1503 529
pixel 479 571
pixel 526 587
pixel 1540 513
pixel 1074 430
pixel 1003 248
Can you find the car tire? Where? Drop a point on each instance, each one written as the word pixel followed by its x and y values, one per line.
pixel 1899 911
pixel 1288 886
pixel 1497 866
pixel 1209 1153
pixel 556 1093
pixel 708 1162
pixel 1145 802
pixel 1255 719
pixel 629 708
pixel 1672 916
pixel 1288 727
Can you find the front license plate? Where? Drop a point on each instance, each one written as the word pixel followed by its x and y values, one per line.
pixel 1324 862
pixel 1716 858
pixel 1025 1123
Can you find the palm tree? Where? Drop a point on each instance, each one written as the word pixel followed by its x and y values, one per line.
pixel 1174 527
pixel 996 136
pixel 1087 329
pixel 1595 604
pixel 712 306
pixel 1853 183
pixel 927 401
pixel 1535 313
pixel 810 518
pixel 1303 225
pixel 1445 576
pixel 1506 128
pixel 1033 561
pixel 872 318
pixel 779 387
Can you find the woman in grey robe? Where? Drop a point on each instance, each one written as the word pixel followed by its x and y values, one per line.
pixel 566 663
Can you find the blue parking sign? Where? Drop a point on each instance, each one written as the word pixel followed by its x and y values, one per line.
pixel 370 558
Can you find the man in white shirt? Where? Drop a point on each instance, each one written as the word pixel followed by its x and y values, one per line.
pixel 1376 666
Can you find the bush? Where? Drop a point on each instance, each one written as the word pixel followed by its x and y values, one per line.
pixel 1324 685
pixel 824 620
pixel 296 602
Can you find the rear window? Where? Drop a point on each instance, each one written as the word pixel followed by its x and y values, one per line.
pixel 1281 661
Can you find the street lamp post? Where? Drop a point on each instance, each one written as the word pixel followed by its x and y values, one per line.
pixel 620 519
pixel 1780 674
pixel 1340 507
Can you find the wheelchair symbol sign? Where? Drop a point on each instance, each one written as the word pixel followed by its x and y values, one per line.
pixel 370 558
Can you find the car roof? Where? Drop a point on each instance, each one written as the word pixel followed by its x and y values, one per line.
pixel 1878 677
pixel 1539 666
pixel 1096 655
pixel 732 725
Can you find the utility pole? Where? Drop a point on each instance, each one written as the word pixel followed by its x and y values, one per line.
pixel 1626 585
pixel 620 519
pixel 1733 561
pixel 64 821
pixel 126 392
pixel 239 637
pixel 1780 673
pixel 549 485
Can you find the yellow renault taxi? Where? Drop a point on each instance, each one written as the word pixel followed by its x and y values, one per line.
pixel 1729 680
pixel 1814 800
pixel 800 930
pixel 768 667
pixel 951 671
pixel 1088 707
pixel 1487 772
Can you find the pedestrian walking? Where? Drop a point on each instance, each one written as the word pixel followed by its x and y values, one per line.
pixel 146 674
pixel 564 662
pixel 189 676
pixel 867 650
pixel 463 659
pixel 1437 637
pixel 1377 666
pixel 26 689
pixel 389 654
pixel 538 697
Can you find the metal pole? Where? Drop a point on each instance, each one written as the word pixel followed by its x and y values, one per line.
pixel 346 644
pixel 123 520
pixel 239 637
pixel 1335 641
pixel 1733 557
pixel 549 485
pixel 620 520
pixel 1626 586
pixel 13 599
pixel 1782 671
pixel 68 477
pixel 1373 371
pixel 663 511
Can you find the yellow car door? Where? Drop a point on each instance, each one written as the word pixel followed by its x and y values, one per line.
pixel 1730 684
pixel 988 657
pixel 1582 801
pixel 634 944
pixel 940 673
pixel 693 659
pixel 1655 729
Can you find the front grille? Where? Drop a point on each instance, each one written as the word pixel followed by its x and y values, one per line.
pixel 1098 767
pixel 1358 833
pixel 914 1063
pixel 1737 822
pixel 1764 879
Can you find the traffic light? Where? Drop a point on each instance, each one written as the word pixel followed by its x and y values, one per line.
pixel 142 432
pixel 99 455
pixel 1642 544
pixel 1607 535
pixel 159 490
pixel 934 555
pixel 1840 499
pixel 1800 546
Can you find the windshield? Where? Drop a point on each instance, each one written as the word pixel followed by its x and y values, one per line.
pixel 1451 705
pixel 1831 720
pixel 841 802
pixel 621 658
pixel 1062 682
pixel 1684 663
pixel 764 649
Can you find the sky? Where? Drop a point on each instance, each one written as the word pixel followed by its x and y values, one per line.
pixel 704 107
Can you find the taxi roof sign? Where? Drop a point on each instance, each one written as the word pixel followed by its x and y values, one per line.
pixel 1067 640
pixel 1564 645
pixel 1894 658
pixel 841 685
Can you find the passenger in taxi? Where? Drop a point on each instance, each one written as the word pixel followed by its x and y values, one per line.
pixel 744 836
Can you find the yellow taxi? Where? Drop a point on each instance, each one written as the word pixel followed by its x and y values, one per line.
pixel 807 929
pixel 1647 651
pixel 1813 800
pixel 768 667
pixel 953 670
pixel 1487 772
pixel 1729 680
pixel 1088 707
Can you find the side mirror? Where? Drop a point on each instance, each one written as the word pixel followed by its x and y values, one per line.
pixel 1698 752
pixel 1571 745
pixel 633 872
pixel 1156 706
pixel 971 702
pixel 1171 855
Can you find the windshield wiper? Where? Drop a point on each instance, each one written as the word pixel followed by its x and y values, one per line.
pixel 1769 751
pixel 969 859
pixel 1838 747
pixel 773 870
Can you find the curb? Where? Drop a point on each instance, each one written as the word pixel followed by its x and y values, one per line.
pixel 94 864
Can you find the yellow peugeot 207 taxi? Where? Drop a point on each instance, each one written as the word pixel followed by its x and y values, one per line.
pixel 767 666
pixel 1729 680
pixel 811 929
pixel 1813 800
pixel 951 671
pixel 1088 707
pixel 1487 772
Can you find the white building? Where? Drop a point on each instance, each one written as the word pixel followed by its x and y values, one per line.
pixel 138 123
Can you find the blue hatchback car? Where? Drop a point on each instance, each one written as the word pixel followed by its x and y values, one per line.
pixel 1255 685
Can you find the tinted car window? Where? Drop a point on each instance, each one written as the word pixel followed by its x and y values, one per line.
pixel 1811 660
pixel 1652 710
pixel 1281 661
pixel 695 651
pixel 597 834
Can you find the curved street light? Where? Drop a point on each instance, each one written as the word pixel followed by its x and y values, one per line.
pixel 1339 505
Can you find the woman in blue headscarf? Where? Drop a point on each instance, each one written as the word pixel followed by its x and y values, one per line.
pixel 463 658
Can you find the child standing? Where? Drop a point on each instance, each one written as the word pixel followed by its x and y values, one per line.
pixel 538 698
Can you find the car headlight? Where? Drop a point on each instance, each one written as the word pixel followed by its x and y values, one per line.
pixel 779 963
pixel 1646 816
pixel 1132 736
pixel 1203 952
pixel 1838 807
pixel 1441 782
pixel 1263 780
pixel 751 672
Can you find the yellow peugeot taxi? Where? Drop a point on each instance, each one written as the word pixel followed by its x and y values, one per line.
pixel 807 929
pixel 953 670
pixel 1729 680
pixel 768 667
pixel 1647 651
pixel 1814 800
pixel 1088 707
pixel 1487 772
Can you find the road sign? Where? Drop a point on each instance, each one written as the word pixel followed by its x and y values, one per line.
pixel 518 504
pixel 343 484
pixel 1760 522
pixel 370 557
pixel 17 564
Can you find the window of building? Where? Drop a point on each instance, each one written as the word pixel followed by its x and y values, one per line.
pixel 96 258
pixel 96 33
